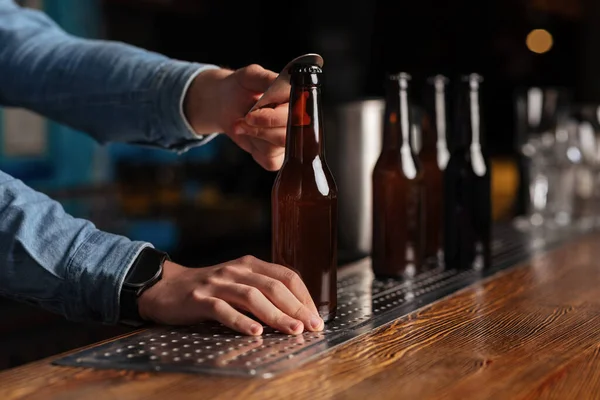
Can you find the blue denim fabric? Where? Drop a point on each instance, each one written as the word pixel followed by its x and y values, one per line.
pixel 114 92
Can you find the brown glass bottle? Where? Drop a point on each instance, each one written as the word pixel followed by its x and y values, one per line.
pixel 304 197
pixel 434 156
pixel 398 218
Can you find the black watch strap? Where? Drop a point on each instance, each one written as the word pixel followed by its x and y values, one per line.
pixel 145 272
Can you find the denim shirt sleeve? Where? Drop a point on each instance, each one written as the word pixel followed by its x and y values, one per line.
pixel 61 263
pixel 110 90
pixel 113 91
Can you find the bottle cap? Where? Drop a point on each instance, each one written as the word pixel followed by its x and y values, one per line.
pixel 400 76
pixel 473 79
pixel 438 80
pixel 305 69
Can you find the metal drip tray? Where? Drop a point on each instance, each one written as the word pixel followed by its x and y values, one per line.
pixel 364 303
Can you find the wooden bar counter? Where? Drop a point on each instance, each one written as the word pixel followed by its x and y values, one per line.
pixel 531 332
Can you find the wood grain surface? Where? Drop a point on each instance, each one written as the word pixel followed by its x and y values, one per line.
pixel 532 332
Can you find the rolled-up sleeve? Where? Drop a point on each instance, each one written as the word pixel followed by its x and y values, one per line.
pixel 55 261
pixel 113 91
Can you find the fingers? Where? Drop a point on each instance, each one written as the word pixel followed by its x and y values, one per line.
pixel 255 78
pixel 283 299
pixel 268 156
pixel 219 310
pixel 288 277
pixel 269 117
pixel 274 136
pixel 262 133
pixel 253 300
pixel 265 154
pixel 272 293
pixel 267 145
pixel 270 163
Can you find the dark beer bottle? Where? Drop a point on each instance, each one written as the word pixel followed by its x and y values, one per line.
pixel 398 228
pixel 434 156
pixel 467 197
pixel 304 196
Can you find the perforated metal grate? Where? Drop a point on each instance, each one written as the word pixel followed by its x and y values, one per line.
pixel 364 303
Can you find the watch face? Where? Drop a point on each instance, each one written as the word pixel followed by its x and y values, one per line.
pixel 146 269
pixel 143 274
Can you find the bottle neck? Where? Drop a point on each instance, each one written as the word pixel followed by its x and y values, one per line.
pixel 391 131
pixel 435 137
pixel 305 125
pixel 470 126
pixel 397 127
pixel 427 134
pixel 440 111
pixel 475 114
pixel 469 132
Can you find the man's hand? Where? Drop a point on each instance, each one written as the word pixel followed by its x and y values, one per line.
pixel 273 293
pixel 218 101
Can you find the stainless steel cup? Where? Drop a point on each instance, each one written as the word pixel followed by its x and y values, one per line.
pixel 353 143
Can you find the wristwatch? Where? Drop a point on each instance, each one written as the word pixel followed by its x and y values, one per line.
pixel 146 271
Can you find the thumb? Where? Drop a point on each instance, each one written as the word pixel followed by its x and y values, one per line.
pixel 256 78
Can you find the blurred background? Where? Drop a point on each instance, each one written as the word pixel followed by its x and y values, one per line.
pixel 200 208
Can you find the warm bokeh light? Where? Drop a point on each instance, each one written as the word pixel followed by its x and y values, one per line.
pixel 539 41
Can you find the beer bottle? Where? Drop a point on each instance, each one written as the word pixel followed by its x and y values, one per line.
pixel 397 249
pixel 434 157
pixel 304 196
pixel 467 197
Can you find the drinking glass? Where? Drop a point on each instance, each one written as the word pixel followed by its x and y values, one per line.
pixel 565 162
pixel 589 132
pixel 544 134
